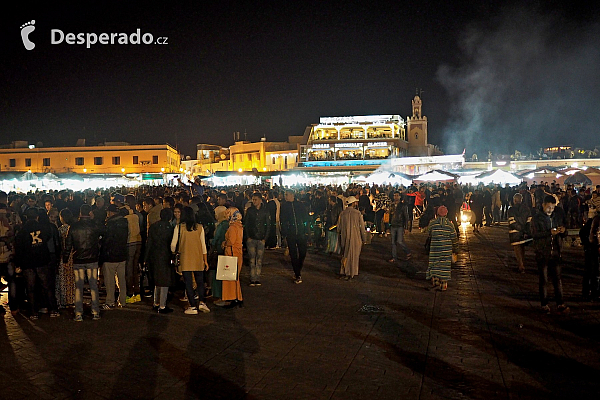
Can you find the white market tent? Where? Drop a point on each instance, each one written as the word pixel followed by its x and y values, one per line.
pixel 436 176
pixel 497 176
pixel 387 178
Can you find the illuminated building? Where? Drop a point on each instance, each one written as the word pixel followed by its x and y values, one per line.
pixel 244 156
pixel 109 158
pixel 363 143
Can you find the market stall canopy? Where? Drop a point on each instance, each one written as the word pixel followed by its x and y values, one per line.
pixel 578 178
pixel 29 176
pixel 436 175
pixel 388 178
pixel 498 176
pixel 50 176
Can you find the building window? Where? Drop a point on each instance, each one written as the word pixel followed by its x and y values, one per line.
pixel 272 160
pixel 154 159
pixel 98 160
pixel 46 162
pixel 12 162
pixel 79 161
pixel 135 160
pixel 116 160
pixel 28 162
pixel 416 135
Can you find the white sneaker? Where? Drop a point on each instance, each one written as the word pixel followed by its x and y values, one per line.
pixel 191 310
pixel 203 308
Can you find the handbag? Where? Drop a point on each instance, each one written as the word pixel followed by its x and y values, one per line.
pixel 227 267
pixel 177 254
pixel 213 259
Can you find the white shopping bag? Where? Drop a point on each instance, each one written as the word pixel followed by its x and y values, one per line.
pixel 227 268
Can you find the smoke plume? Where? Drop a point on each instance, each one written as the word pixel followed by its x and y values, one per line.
pixel 525 81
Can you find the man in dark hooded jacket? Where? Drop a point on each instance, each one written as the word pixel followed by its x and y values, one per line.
pixel 113 255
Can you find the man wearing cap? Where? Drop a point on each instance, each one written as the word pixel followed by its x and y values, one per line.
pixel 398 226
pixel 351 227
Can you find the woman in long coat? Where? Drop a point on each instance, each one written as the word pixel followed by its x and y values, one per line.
pixel 443 242
pixel 217 250
pixel 192 259
pixel 232 290
pixel 158 259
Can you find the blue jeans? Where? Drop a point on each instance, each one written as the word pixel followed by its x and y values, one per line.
pixel 256 249
pixel 91 271
pixel 398 240
pixel 189 286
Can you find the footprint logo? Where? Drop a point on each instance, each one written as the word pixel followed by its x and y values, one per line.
pixel 26 29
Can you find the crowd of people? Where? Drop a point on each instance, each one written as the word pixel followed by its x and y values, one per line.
pixel 153 240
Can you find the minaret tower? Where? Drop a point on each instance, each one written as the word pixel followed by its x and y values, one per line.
pixel 417 130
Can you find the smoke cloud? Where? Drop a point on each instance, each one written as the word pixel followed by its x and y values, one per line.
pixel 524 81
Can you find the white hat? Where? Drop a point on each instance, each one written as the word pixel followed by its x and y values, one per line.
pixel 351 200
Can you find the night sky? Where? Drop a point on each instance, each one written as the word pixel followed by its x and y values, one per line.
pixel 495 76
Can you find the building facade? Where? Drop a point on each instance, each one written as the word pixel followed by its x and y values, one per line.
pixel 244 156
pixel 116 158
pixel 364 143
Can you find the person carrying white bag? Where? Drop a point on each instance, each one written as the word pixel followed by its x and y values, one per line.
pixel 232 290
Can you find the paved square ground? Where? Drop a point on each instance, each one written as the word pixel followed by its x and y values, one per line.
pixel 381 336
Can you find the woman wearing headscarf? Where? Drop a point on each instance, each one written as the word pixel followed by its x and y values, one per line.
pixel 232 291
pixel 443 242
pixel 193 259
pixel 217 249
pixel 158 259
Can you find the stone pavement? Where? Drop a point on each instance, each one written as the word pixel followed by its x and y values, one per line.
pixel 382 336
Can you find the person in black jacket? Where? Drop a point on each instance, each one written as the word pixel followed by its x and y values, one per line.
pixel 294 227
pixel 547 225
pixel 591 273
pixel 158 259
pixel 519 218
pixel 84 239
pixel 33 247
pixel 399 226
pixel 256 225
pixel 487 205
pixel 113 256
pixel 332 215
pixel 476 203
